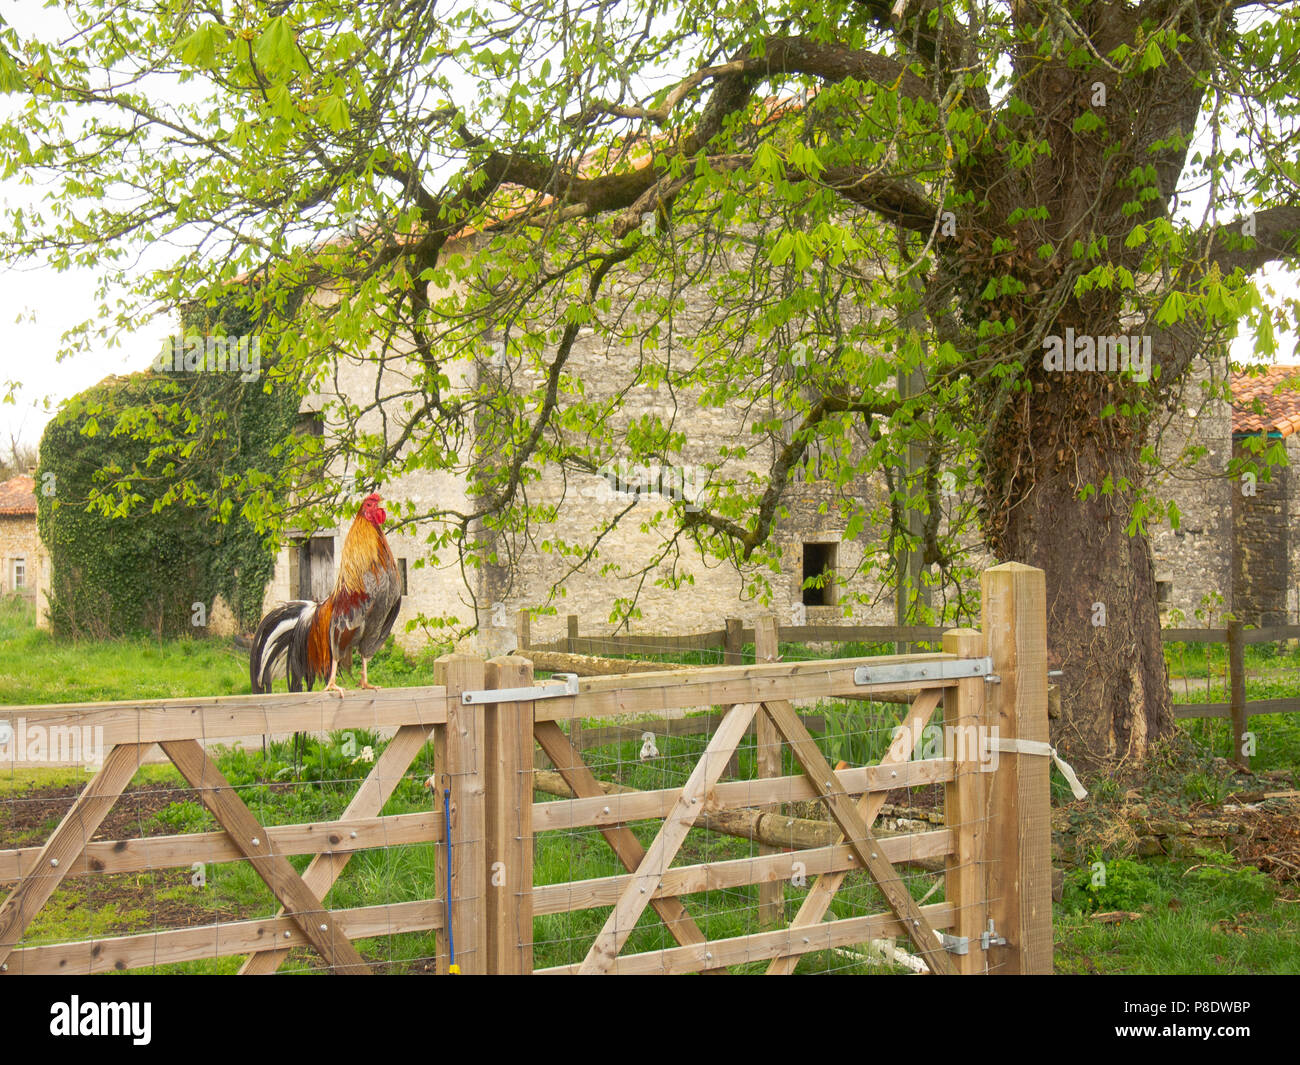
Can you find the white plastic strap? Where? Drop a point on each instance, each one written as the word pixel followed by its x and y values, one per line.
pixel 1041 747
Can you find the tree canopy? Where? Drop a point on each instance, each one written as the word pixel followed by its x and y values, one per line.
pixel 924 193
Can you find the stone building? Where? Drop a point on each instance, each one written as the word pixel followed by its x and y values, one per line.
pixel 1193 562
pixel 1266 507
pixel 24 566
pixel 1227 545
pixel 1233 550
pixel 812 539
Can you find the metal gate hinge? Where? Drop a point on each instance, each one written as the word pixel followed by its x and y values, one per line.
pixel 905 672
pixel 524 695
pixel 955 944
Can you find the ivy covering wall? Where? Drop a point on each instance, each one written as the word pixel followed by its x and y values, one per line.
pixel 147 512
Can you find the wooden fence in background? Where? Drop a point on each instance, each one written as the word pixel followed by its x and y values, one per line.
pixel 994 844
pixel 734 635
pixel 1237 709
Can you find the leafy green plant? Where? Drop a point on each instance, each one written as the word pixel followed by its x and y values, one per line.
pixel 128 555
pixel 1118 884
pixel 1218 872
pixel 1205 788
pixel 184 816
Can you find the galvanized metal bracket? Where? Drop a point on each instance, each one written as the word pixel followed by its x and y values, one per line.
pixel 955 944
pixel 524 695
pixel 910 672
pixel 991 938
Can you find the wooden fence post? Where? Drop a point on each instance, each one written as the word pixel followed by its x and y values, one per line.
pixel 731 644
pixel 1237 695
pixel 1014 621
pixel 767 744
pixel 523 630
pixel 732 641
pixel 508 764
pixel 964 806
pixel 571 645
pixel 458 767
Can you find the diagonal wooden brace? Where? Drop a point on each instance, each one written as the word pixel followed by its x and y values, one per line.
pixel 301 904
pixel 677 825
pixel 819 897
pixel 380 783
pixel 64 847
pixel 622 840
pixel 859 837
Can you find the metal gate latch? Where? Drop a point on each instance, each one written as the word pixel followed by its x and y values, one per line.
pixel 524 695
pixel 991 938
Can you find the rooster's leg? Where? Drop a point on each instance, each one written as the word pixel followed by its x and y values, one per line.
pixel 330 686
pixel 365 682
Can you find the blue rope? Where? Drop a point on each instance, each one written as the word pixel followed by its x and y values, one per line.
pixel 451 937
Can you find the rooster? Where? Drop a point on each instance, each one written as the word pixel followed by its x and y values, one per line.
pixel 311 637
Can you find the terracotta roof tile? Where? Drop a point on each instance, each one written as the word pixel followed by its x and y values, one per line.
pixel 1278 390
pixel 18 496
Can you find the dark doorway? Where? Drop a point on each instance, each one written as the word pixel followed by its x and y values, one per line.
pixel 315 568
pixel 819 561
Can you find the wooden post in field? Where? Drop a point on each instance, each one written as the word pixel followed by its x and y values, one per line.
pixel 1237 696
pixel 508 764
pixel 731 643
pixel 767 743
pixel 964 805
pixel 1019 885
pixel 457 759
pixel 731 656
pixel 523 641
pixel 571 645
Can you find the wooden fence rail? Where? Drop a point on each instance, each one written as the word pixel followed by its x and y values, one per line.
pixel 734 635
pixel 994 843
pixel 1237 710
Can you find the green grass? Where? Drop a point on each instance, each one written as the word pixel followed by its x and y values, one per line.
pixel 1201 914
pixel 1277 736
pixel 37 668
pixel 1211 659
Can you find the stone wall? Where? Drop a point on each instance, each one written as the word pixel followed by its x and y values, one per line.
pixel 433 588
pixel 1193 563
pixel 681 593
pixel 19 539
pixel 1261 570
pixel 677 593
pixel 1293 537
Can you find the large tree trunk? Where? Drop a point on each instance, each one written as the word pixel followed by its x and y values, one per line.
pixel 1103 624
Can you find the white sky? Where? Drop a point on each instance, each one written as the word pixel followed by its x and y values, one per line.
pixel 38 303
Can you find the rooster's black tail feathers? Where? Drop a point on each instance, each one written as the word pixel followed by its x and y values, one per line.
pixel 282 637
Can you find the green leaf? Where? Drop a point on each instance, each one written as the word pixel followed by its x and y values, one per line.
pixel 11 77
pixel 1174 309
pixel 334 113
pixel 1137 237
pixel 277 50
pixel 200 48
pixel 768 164
pixel 1152 57
pixel 1088 121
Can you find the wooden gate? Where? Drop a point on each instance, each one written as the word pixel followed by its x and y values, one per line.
pixel 996 910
